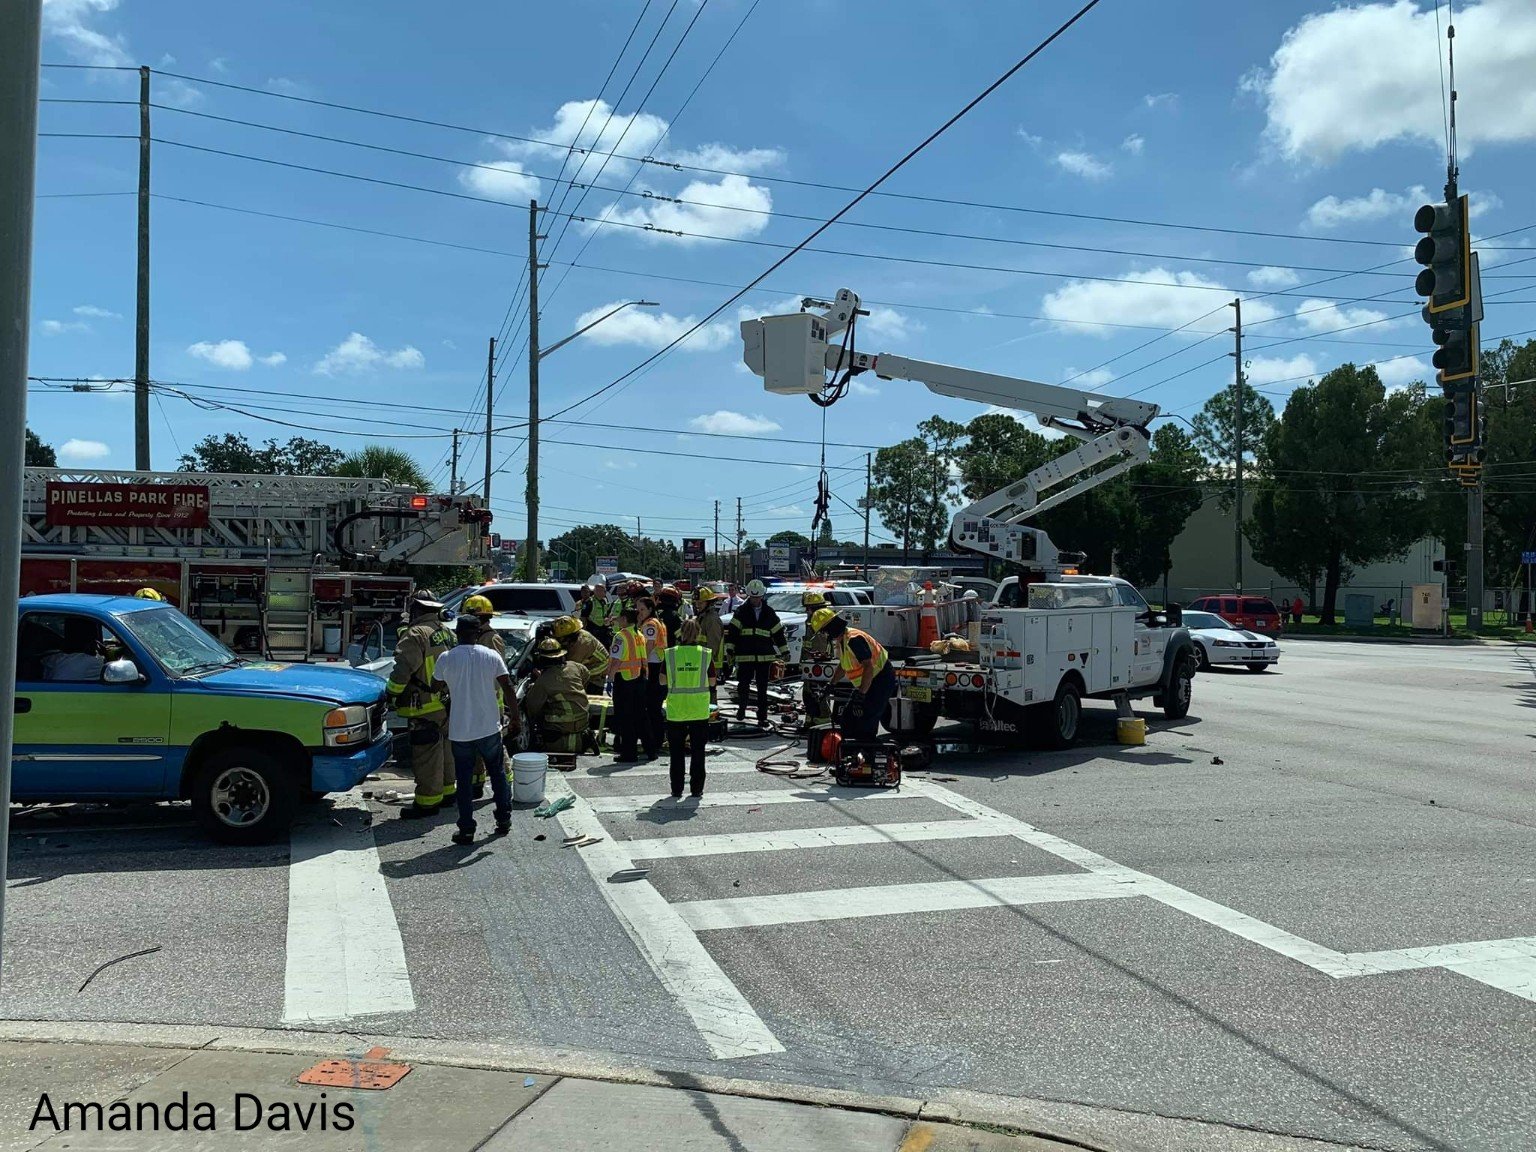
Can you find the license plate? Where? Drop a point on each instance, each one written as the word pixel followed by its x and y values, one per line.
pixel 919 693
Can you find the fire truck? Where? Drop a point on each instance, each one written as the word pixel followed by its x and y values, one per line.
pixel 285 567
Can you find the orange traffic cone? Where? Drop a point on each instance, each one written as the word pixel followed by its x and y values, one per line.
pixel 928 620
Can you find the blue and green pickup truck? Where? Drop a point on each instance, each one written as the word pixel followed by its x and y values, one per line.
pixel 121 699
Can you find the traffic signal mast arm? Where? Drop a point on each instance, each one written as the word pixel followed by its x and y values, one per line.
pixel 793 352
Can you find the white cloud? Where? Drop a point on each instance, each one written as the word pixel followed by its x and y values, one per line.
pixel 1029 137
pixel 727 159
pixel 651 329
pixel 729 208
pixel 734 424
pixel 286 87
pixel 1267 369
pixel 1168 100
pixel 82 451
pixel 1401 371
pixel 1273 278
pixel 886 324
pixel 1029 421
pixel 60 327
pixel 1084 164
pixel 1377 204
pixel 70 22
pixel 594 129
pixel 782 511
pixel 501 180
pixel 857 387
pixel 1095 378
pixel 1323 316
pixel 1154 296
pixel 230 354
pixel 1360 76
pixel 357 353
pixel 1134 143
pixel 276 359
pixel 96 313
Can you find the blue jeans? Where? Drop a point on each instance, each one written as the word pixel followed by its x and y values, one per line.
pixel 488 748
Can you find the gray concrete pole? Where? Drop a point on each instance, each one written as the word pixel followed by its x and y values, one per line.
pixel 141 315
pixel 20 36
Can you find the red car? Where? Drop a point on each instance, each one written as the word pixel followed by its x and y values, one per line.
pixel 1256 613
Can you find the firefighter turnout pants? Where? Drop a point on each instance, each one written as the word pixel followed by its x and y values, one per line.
pixel 431 760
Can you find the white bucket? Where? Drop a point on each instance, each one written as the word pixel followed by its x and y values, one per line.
pixel 528 770
pixel 330 639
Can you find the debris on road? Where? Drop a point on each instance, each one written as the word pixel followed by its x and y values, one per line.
pixel 550 807
pixel 1217 760
pixel 119 960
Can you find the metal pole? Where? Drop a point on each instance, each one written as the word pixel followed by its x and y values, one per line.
pixel 719 569
pixel 1237 503
pixel 490 391
pixel 20 33
pixel 1475 556
pixel 453 472
pixel 141 324
pixel 867 481
pixel 738 540
pixel 532 548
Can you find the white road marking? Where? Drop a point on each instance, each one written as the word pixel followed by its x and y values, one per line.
pixel 610 805
pixel 676 847
pixel 898 899
pixel 345 955
pixel 728 1024
pixel 1508 965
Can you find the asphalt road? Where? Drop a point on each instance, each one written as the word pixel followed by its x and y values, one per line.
pixel 1251 920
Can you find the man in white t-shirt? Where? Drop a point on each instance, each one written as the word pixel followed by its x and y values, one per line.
pixel 472 674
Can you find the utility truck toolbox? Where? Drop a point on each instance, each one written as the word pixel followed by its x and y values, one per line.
pixel 119 698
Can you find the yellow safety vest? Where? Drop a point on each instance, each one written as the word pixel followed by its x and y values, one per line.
pixel 853 668
pixel 655 633
pixel 631 655
pixel 687 683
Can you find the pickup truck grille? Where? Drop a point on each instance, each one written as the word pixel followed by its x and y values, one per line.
pixel 377 719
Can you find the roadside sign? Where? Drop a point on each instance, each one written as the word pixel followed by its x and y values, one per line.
pixel 778 557
pixel 495 541
pixel 693 553
pixel 1528 557
pixel 607 565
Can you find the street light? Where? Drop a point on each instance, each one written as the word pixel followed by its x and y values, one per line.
pixel 535 356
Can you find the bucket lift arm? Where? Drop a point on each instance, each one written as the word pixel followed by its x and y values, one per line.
pixel 792 354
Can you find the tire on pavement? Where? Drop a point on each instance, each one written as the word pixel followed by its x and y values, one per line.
pixel 1180 689
pixel 1053 725
pixel 244 795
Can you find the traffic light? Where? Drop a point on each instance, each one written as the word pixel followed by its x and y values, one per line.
pixel 1456 354
pixel 1463 422
pixel 1446 253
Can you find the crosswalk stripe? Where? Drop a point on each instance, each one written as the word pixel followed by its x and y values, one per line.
pixel 611 805
pixel 898 899
pixel 632 771
pixel 345 955
pixel 676 847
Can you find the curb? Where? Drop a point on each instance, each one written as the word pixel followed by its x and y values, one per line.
pixel 1094 1128
pixel 1428 641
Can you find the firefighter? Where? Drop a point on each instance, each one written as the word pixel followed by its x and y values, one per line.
pixel 147 594
pixel 862 662
pixel 584 648
pixel 653 734
pixel 755 645
pixel 711 631
pixel 598 613
pixel 669 608
pixel 556 701
pixel 480 608
pixel 626 668
pixel 816 648
pixel 410 691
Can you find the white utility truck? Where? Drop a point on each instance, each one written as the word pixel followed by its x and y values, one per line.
pixel 1075 636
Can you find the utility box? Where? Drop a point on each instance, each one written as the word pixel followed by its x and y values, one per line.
pixel 1359 610
pixel 1427 610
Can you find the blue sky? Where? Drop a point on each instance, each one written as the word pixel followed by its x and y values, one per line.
pixel 1300 118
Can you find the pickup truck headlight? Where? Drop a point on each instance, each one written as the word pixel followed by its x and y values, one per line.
pixel 346 726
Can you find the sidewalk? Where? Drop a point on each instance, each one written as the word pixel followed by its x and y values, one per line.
pixel 254 1100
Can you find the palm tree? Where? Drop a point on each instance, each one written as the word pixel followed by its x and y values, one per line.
pixel 384 462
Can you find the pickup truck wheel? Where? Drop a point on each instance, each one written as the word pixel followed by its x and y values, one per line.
pixel 244 796
pixel 1055 724
pixel 1180 690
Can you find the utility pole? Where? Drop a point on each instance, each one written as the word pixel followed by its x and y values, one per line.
pixel 453 471
pixel 739 539
pixel 490 390
pixel 141 320
pixel 20 37
pixel 718 564
pixel 867 503
pixel 1237 446
pixel 532 547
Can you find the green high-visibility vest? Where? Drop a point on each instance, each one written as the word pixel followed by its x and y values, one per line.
pixel 687 683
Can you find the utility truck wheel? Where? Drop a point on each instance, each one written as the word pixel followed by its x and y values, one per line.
pixel 1180 690
pixel 1054 725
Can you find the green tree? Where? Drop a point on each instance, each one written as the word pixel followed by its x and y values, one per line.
pixel 39 455
pixel 898 489
pixel 791 537
pixel 1335 495
pixel 385 462
pixel 232 452
pixel 1215 428
pixel 824 538
pixel 580 548
pixel 1165 493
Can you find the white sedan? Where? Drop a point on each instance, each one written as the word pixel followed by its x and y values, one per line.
pixel 1218 642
